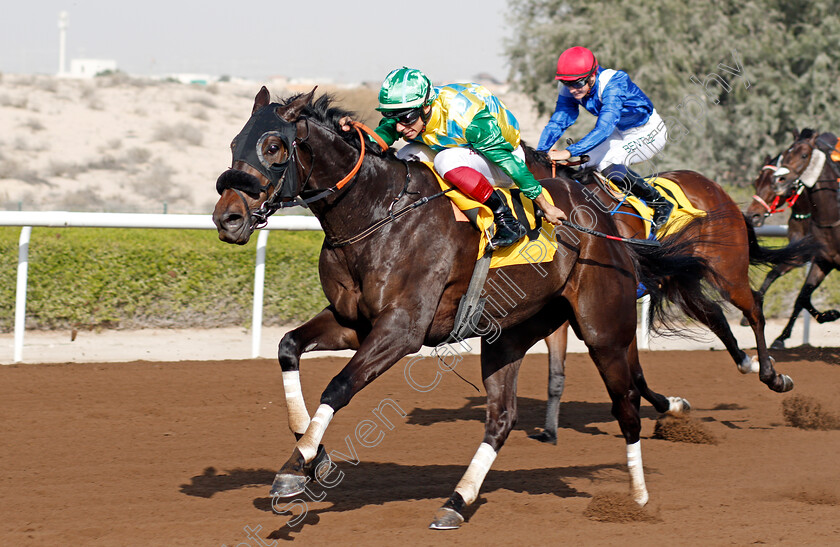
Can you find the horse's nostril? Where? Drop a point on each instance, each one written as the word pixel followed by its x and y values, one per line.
pixel 232 219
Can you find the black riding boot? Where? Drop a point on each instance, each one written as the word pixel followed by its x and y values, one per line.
pixel 508 229
pixel 636 185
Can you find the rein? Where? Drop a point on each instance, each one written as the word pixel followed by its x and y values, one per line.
pixel 271 205
pixel 773 208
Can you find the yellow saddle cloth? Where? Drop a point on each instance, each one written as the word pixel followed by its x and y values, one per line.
pixel 681 215
pixel 536 247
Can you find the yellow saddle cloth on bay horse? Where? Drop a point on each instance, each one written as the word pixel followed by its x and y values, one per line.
pixel 683 212
pixel 536 247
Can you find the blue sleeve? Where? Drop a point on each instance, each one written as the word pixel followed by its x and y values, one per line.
pixel 565 114
pixel 612 100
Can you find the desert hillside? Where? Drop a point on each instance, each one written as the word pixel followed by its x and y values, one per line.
pixel 122 144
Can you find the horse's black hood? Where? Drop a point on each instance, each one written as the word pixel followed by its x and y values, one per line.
pixel 247 148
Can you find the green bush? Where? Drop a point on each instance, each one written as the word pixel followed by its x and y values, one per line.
pixel 132 278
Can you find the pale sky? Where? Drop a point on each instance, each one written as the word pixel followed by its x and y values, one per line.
pixel 341 40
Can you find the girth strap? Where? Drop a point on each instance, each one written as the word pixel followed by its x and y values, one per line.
pixel 471 304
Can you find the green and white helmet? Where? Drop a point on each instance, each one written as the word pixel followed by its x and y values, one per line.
pixel 405 88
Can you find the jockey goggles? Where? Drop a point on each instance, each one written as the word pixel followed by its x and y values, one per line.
pixel 576 84
pixel 405 117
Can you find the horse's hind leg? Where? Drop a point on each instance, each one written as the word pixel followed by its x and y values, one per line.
pixel 615 370
pixel 816 274
pixel 746 300
pixel 713 317
pixel 778 271
pixel 660 402
pixel 557 343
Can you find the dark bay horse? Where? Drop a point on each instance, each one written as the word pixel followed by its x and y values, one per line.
pixel 806 170
pixel 729 245
pixel 766 203
pixel 394 276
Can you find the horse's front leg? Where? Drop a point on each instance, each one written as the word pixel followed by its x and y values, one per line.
pixel 394 336
pixel 816 274
pixel 323 332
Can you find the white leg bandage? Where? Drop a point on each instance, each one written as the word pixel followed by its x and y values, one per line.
pixel 479 466
pixel 637 474
pixel 298 415
pixel 308 444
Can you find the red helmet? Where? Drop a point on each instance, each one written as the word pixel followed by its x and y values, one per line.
pixel 576 63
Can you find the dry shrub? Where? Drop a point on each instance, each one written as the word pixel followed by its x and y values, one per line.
pixel 156 184
pixel 616 507
pixel 12 169
pixel 807 413
pixel 179 133
pixel 679 428
pixel 66 169
pixel 33 124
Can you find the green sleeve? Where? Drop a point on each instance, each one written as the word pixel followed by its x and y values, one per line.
pixel 485 137
pixel 387 129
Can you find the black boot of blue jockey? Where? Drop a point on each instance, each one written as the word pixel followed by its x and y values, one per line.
pixel 635 184
pixel 508 229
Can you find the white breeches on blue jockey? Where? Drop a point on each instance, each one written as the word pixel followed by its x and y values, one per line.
pixel 450 158
pixel 636 145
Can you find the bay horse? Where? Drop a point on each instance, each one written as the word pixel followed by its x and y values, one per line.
pixel 729 245
pixel 393 279
pixel 806 170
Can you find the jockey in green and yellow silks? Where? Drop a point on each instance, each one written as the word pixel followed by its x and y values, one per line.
pixel 471 137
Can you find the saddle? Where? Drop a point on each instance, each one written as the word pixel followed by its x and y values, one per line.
pixel 681 215
pixel 537 247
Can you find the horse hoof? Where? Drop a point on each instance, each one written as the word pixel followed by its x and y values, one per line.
pixel 544 437
pixel 778 343
pixel 748 366
pixel 287 486
pixel 679 405
pixel 782 384
pixel 447 519
pixel 828 316
pixel 744 322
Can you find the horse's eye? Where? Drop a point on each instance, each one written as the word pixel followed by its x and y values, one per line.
pixel 272 149
pixel 232 144
pixel 804 156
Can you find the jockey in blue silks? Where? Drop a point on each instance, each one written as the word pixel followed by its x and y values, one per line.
pixel 628 130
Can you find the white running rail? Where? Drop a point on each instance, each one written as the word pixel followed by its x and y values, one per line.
pixel 64 219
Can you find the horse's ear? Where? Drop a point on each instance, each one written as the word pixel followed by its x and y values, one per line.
pixel 767 159
pixel 292 111
pixel 262 99
pixel 795 134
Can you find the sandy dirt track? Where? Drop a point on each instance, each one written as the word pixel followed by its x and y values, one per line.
pixel 183 454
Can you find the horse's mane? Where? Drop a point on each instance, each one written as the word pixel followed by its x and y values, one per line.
pixel 541 158
pixel 324 111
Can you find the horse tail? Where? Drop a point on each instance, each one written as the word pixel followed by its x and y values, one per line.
pixel 673 276
pixel 796 253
